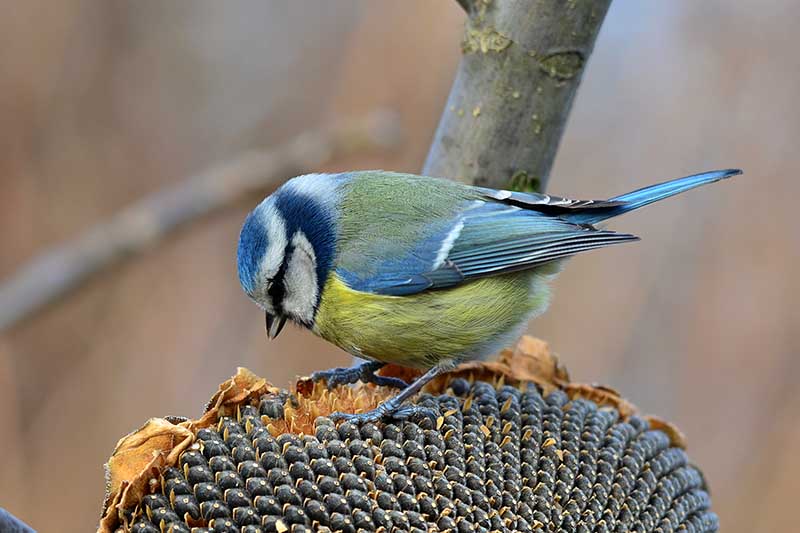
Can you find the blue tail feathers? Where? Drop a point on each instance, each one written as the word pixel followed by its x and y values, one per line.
pixel 648 195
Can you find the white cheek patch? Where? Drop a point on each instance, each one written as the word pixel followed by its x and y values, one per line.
pixel 300 281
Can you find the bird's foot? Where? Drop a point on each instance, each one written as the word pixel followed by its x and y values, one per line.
pixel 388 410
pixel 364 372
pixel 393 408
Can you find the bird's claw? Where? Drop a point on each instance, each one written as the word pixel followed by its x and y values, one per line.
pixel 364 372
pixel 386 412
pixel 337 376
pixel 392 408
pixel 405 412
pixel 386 381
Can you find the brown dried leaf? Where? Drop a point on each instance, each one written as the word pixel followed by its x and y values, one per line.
pixel 530 361
pixel 233 392
pixel 676 437
pixel 602 396
pixel 137 458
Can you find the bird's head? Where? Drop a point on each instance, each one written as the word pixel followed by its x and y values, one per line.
pixel 285 253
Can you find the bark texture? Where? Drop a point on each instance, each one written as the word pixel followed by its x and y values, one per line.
pixel 522 64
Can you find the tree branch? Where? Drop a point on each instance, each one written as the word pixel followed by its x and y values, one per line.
pixel 521 68
pixel 135 229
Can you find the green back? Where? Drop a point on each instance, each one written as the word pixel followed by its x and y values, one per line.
pixel 386 215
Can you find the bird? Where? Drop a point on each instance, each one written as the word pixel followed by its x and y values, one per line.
pixel 418 271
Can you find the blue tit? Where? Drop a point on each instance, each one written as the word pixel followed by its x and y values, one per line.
pixel 417 271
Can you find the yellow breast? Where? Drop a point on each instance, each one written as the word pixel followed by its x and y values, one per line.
pixel 465 322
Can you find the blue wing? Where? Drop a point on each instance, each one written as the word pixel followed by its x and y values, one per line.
pixel 485 238
pixel 387 272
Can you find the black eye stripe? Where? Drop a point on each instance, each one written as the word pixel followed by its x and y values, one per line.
pixel 277 289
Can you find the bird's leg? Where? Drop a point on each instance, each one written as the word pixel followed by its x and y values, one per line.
pixel 364 372
pixel 393 407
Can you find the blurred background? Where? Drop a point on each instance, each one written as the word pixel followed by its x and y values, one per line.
pixel 103 103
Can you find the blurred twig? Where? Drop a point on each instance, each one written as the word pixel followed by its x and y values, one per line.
pixel 136 228
pixel 514 89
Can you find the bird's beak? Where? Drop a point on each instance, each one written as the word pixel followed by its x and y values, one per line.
pixel 274 325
